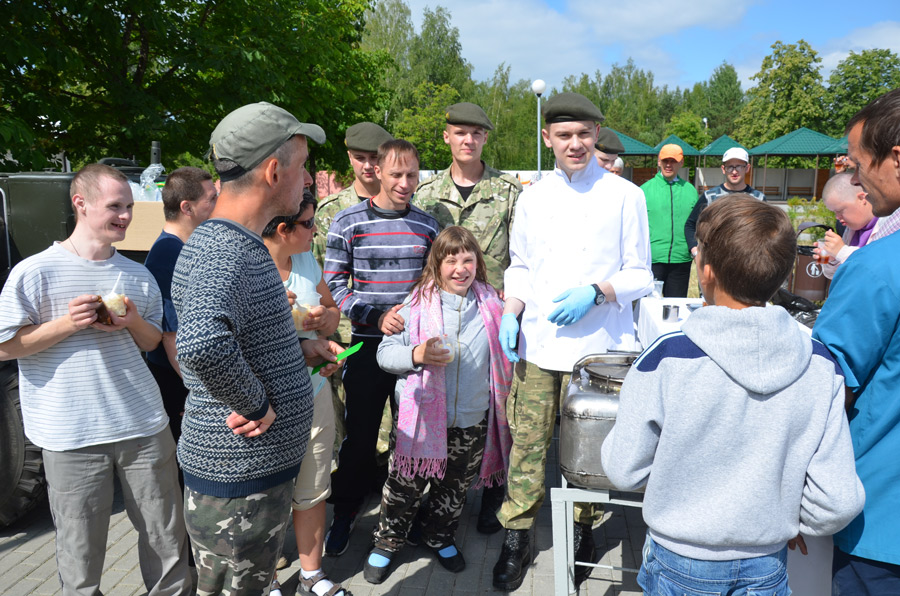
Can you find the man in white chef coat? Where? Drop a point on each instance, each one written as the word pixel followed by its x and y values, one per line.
pixel 579 255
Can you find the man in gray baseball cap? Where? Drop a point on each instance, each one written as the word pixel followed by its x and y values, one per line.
pixel 248 414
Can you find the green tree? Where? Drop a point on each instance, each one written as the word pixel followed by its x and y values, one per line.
pixel 724 99
pixel 389 32
pixel 689 127
pixel 433 55
pixel 630 102
pixel 788 94
pixel 856 81
pixel 423 124
pixel 95 79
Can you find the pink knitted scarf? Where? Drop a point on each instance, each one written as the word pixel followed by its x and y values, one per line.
pixel 421 447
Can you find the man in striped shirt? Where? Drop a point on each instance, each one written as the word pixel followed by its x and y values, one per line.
pixel 88 399
pixel 379 245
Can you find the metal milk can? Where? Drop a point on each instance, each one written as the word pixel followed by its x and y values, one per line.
pixel 587 416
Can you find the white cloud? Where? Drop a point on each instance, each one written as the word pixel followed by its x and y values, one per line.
pixel 645 20
pixel 884 35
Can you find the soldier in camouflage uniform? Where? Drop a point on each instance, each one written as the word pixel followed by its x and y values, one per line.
pixel 362 141
pixel 481 199
pixel 470 193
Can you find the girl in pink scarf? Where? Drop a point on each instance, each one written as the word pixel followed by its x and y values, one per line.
pixel 449 454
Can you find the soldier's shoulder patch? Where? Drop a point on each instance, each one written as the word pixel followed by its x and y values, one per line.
pixel 428 182
pixel 510 180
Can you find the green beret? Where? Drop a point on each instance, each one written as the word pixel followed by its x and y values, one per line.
pixel 609 142
pixel 366 136
pixel 469 114
pixel 571 107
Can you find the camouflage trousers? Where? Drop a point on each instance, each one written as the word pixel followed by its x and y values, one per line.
pixel 446 498
pixel 237 541
pixel 531 408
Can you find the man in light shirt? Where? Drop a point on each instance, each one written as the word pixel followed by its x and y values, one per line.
pixel 88 399
pixel 579 256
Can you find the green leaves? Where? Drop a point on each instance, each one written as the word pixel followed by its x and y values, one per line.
pixel 105 78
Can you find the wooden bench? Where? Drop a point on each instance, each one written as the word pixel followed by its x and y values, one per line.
pixel 800 191
pixel 703 188
pixel 773 191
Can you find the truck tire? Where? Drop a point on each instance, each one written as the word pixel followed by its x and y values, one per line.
pixel 22 482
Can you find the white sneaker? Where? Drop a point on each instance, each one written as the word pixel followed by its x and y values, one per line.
pixel 275 590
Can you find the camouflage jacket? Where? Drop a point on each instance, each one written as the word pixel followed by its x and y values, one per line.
pixel 487 213
pixel 327 209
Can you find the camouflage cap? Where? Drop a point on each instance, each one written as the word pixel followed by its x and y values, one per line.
pixel 570 107
pixel 251 133
pixel 609 142
pixel 468 113
pixel 366 136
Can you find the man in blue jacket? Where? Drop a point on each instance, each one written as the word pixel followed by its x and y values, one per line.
pixel 860 324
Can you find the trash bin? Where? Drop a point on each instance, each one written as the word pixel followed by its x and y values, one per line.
pixel 808 279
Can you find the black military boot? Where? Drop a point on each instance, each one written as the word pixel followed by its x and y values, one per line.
pixel 491 499
pixel 583 539
pixel 515 557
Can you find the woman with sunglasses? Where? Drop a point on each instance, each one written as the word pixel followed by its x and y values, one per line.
pixel 289 240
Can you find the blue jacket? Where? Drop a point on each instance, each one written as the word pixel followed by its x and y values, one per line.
pixel 860 325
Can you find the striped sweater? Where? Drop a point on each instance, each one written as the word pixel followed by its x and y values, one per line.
pixel 238 350
pixel 382 254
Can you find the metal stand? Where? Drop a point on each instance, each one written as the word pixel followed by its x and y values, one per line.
pixel 562 502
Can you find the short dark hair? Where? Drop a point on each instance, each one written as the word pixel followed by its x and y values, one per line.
pixel 183 184
pixel 750 245
pixel 401 149
pixel 880 126
pixel 288 220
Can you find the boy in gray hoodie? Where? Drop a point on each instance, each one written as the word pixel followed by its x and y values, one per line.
pixel 736 424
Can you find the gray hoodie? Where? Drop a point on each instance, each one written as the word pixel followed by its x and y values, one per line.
pixel 736 425
pixel 468 376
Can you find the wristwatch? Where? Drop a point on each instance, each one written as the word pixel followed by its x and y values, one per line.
pixel 600 297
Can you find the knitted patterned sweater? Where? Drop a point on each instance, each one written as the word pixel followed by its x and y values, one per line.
pixel 238 351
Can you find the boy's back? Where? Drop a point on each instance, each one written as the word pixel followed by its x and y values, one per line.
pixel 738 421
pixel 736 424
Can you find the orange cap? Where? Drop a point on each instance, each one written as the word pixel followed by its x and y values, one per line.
pixel 671 151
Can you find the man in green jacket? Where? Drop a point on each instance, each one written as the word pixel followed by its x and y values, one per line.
pixel 670 201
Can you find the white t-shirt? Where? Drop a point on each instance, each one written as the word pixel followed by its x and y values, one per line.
pixel 92 387
pixel 304 278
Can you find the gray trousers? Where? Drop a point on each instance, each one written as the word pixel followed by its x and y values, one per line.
pixel 80 486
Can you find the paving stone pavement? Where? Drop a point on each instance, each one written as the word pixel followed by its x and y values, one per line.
pixel 28 565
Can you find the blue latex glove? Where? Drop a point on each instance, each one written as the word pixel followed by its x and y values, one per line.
pixel 509 336
pixel 576 302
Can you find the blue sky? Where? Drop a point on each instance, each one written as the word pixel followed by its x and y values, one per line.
pixel 680 43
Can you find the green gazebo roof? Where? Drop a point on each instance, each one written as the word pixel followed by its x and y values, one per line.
pixel 802 141
pixel 720 146
pixel 686 147
pixel 633 146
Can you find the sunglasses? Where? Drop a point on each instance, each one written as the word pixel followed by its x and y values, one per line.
pixel 735 168
pixel 306 223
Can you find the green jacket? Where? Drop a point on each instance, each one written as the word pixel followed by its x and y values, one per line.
pixel 668 207
pixel 487 213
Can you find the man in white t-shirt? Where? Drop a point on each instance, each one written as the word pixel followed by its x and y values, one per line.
pixel 88 399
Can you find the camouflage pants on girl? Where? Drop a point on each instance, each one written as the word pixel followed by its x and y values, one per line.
pixel 401 496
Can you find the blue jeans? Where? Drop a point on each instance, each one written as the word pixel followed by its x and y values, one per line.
pixel 664 573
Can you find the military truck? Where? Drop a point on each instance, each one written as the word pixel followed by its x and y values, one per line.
pixel 35 211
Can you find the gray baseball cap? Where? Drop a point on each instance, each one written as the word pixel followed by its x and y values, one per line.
pixel 253 132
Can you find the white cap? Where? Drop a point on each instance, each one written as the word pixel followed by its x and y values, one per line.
pixel 736 153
